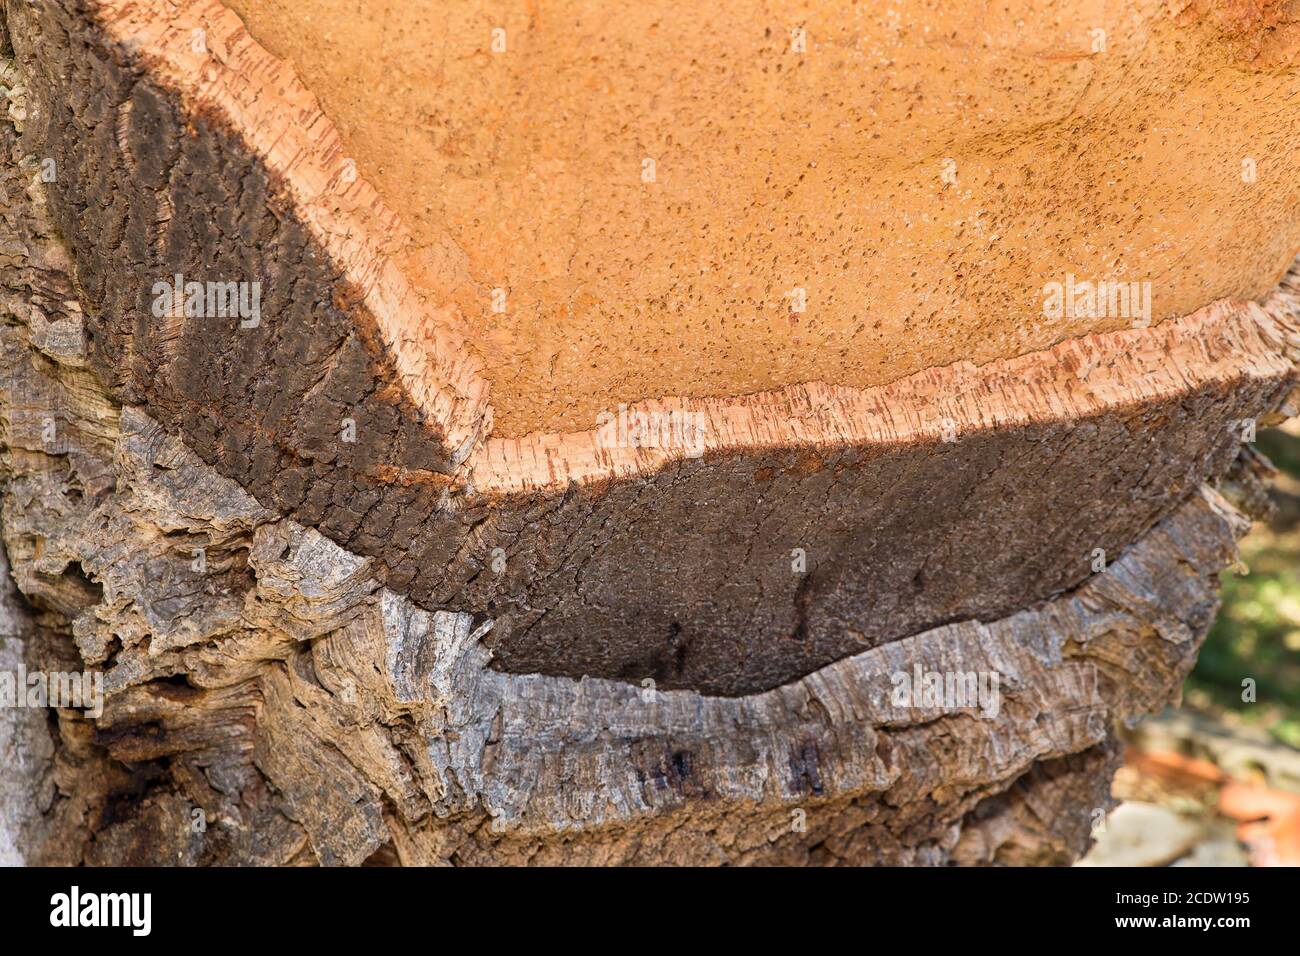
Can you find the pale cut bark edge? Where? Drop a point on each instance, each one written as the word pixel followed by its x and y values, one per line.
pixel 1074 380
pixel 202 51
pixel 260 98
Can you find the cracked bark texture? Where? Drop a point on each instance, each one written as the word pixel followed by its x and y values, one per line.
pixel 26 748
pixel 319 659
pixel 315 716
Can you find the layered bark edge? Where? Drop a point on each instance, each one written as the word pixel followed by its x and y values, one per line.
pixel 235 98
pixel 596 558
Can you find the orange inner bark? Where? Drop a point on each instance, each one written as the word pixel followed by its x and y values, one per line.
pixel 630 201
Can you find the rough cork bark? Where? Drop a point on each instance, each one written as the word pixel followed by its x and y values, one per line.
pixel 438 644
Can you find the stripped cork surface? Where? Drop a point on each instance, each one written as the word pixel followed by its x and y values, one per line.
pixel 750 542
pixel 437 353
pixel 753 194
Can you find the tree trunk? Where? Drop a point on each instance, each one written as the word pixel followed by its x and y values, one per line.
pixel 366 584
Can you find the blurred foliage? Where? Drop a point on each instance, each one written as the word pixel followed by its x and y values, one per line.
pixel 1257 634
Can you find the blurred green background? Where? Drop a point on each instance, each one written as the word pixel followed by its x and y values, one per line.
pixel 1257 633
